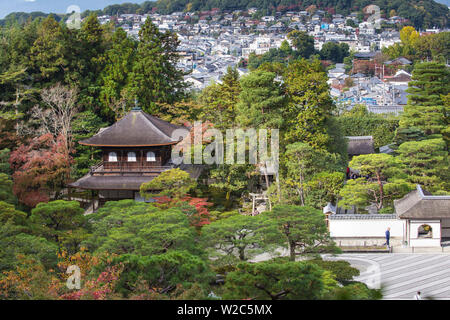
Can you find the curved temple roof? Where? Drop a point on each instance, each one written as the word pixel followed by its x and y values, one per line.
pixel 137 129
pixel 418 205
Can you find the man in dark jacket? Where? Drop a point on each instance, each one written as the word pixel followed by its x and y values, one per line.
pixel 388 236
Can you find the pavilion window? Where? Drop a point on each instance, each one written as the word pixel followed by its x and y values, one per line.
pixel 151 157
pixel 112 157
pixel 131 156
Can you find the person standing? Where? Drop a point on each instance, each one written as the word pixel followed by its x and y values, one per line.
pixel 388 237
pixel 417 296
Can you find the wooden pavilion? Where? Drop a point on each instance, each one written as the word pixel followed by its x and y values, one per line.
pixel 135 150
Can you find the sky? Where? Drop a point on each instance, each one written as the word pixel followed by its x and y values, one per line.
pixel 60 6
pixel 55 6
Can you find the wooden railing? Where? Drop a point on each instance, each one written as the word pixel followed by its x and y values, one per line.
pixel 99 169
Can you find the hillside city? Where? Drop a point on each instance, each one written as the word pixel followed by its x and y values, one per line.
pixel 211 41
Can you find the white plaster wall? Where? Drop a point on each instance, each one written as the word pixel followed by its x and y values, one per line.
pixel 435 241
pixel 366 228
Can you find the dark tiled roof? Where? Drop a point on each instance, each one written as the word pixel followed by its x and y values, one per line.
pixel 365 55
pixel 400 78
pixel 360 145
pixel 361 216
pixel 137 129
pixel 420 205
pixel 111 182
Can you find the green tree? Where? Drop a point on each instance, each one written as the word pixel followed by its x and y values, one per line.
pixel 425 109
pixel 6 193
pixel 238 237
pixel 115 76
pixel 302 42
pixel 56 219
pixel 334 51
pixel 232 179
pixel 301 229
pixel 302 162
pixel 275 281
pixel 383 181
pixel 9 214
pixel 85 124
pixel 4 162
pixel 155 78
pixel 219 100
pixel 163 273
pixel 323 188
pixel 140 228
pixel 408 134
pixel 310 104
pixel 342 269
pixel 261 101
pixel 173 183
pixel 48 54
pixel 14 244
pixel 426 163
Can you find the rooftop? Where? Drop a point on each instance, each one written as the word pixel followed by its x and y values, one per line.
pixel 419 204
pixel 360 145
pixel 137 129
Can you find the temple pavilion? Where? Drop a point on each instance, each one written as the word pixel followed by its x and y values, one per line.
pixel 136 149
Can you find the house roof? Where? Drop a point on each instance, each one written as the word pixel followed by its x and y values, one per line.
pixel 400 60
pixel 400 78
pixel 360 145
pixel 114 181
pixel 418 204
pixel 111 182
pixel 136 129
pixel 365 55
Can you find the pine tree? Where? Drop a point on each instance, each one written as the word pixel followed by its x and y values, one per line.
pixel 426 163
pixel 425 108
pixel 115 75
pixel 261 101
pixel 49 51
pixel 310 104
pixel 219 100
pixel 155 78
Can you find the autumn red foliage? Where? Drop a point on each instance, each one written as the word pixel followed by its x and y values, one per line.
pixel 41 169
pixel 195 208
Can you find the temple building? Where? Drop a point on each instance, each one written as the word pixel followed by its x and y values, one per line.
pixel 135 150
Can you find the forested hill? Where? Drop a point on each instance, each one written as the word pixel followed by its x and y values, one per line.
pixel 421 13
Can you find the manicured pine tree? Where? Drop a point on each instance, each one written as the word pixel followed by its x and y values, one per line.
pixel 425 109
